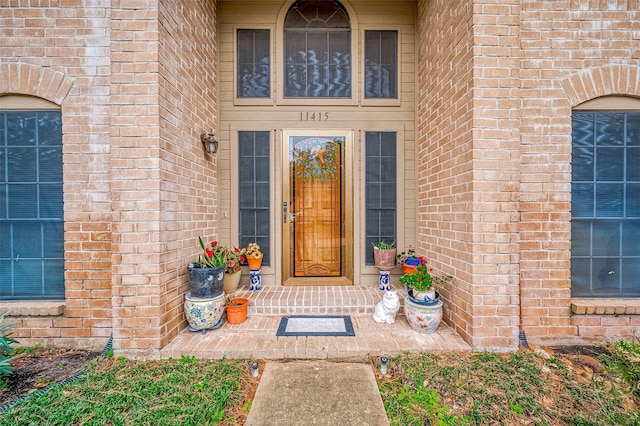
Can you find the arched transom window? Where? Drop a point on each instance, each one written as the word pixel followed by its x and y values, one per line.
pixel 317 39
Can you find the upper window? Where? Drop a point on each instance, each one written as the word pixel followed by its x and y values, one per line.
pixel 254 64
pixel 31 211
pixel 605 193
pixel 317 50
pixel 380 64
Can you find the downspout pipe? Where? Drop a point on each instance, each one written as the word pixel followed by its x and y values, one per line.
pixel 521 336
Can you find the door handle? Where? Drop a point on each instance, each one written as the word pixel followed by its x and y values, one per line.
pixel 284 212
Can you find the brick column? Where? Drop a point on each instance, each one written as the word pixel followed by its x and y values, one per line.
pixel 163 89
pixel 468 162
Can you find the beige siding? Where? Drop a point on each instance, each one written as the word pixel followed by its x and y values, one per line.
pixel 358 116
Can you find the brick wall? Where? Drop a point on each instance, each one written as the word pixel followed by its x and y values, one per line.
pixel 61 54
pixel 164 184
pixel 497 81
pixel 496 173
pixel 137 86
pixel 444 117
pixel 188 107
pixel 572 51
pixel 468 169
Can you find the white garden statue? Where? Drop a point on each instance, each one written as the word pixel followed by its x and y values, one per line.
pixel 385 311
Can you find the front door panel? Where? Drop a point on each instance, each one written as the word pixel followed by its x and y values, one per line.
pixel 315 189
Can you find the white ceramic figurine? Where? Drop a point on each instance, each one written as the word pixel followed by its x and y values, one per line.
pixel 385 311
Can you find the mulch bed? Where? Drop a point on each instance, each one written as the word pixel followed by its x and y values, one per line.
pixel 40 367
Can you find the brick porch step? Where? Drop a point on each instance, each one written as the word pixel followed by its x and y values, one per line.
pixel 256 337
pixel 307 300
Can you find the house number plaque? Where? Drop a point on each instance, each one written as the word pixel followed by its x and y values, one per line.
pixel 314 116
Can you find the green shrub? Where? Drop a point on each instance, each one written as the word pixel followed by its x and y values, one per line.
pixel 6 351
pixel 625 361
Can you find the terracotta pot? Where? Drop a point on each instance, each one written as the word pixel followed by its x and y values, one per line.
pixel 254 262
pixel 231 282
pixel 409 269
pixel 385 260
pixel 237 313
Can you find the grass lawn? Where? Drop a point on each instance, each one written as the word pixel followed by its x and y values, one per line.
pixel 512 389
pixel 524 387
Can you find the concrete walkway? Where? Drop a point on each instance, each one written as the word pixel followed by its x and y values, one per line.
pixel 317 393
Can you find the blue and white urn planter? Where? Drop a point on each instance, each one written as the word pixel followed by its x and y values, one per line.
pixel 423 318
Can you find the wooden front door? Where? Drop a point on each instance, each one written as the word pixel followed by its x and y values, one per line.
pixel 314 211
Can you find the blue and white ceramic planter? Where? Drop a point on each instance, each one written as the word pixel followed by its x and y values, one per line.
pixel 427 298
pixel 422 318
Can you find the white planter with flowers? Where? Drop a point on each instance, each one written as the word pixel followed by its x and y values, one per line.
pixel 422 306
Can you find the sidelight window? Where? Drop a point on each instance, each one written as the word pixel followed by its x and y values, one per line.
pixel 380 190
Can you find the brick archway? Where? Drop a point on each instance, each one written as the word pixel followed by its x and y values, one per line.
pixel 601 81
pixel 27 79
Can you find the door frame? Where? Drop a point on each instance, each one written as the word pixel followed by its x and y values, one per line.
pixel 349 204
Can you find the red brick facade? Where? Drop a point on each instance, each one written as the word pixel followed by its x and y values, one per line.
pixel 137 83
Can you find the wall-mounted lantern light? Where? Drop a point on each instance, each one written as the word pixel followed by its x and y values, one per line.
pixel 209 142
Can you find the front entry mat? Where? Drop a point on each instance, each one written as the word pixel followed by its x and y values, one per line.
pixel 315 325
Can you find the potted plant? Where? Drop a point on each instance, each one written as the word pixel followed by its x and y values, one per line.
pixel 419 284
pixel 207 273
pixel 422 306
pixel 235 256
pixel 384 255
pixel 254 256
pixel 409 260
pixel 236 308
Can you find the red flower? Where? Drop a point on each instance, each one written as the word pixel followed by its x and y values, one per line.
pixel 209 252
